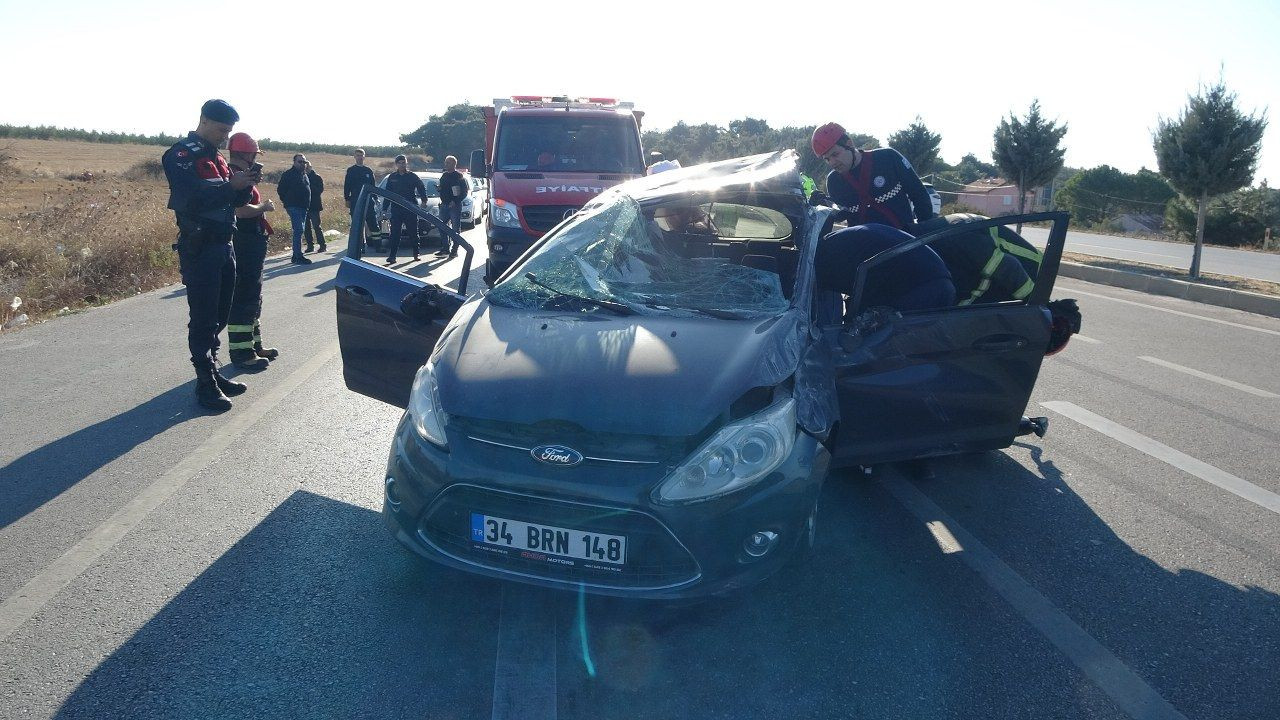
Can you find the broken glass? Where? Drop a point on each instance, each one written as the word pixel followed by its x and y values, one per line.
pixel 613 253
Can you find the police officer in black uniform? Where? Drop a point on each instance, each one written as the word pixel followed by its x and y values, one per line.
pixel 409 186
pixel 203 194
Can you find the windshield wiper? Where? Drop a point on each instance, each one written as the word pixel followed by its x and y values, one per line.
pixel 615 307
pixel 712 312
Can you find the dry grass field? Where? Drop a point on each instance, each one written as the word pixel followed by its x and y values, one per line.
pixel 85 223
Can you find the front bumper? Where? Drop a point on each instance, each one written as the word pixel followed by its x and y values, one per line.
pixel 673 552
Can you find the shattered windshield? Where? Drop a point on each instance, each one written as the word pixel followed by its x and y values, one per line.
pixel 614 254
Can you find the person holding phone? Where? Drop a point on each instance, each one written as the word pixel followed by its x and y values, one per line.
pixel 203 195
pixel 244 330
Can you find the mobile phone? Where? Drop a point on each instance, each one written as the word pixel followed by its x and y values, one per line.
pixel 255 168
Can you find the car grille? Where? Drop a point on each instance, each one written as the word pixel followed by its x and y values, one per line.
pixel 620 448
pixel 655 559
pixel 542 218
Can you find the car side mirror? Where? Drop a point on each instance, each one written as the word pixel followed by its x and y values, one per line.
pixel 477 165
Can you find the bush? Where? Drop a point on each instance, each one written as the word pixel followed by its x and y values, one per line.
pixel 103 243
pixel 1223 225
pixel 951 208
pixel 149 169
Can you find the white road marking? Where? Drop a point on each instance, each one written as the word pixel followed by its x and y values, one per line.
pixel 1164 453
pixel 941 535
pixel 1175 312
pixel 1086 338
pixel 39 590
pixel 1129 691
pixel 1116 249
pixel 524 677
pixel 1211 378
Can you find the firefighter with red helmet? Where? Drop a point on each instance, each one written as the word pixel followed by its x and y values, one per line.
pixel 244 330
pixel 874 186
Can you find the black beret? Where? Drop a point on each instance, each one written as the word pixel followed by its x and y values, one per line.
pixel 220 111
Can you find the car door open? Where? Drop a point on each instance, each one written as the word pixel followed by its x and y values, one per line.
pixel 388 322
pixel 942 381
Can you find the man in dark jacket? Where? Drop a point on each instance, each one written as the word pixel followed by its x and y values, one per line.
pixel 876 186
pixel 203 195
pixel 295 194
pixel 313 210
pixel 409 186
pixel 915 280
pixel 358 176
pixel 453 189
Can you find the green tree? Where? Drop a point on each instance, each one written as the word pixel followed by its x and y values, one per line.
pixel 456 132
pixel 918 145
pixel 1028 151
pixel 1210 149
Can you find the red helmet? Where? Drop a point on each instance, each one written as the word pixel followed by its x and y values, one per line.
pixel 825 137
pixel 242 142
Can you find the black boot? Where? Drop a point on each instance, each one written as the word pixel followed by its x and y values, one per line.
pixel 230 388
pixel 208 394
pixel 268 353
pixel 247 359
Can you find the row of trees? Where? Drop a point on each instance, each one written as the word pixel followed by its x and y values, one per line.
pixel 46 132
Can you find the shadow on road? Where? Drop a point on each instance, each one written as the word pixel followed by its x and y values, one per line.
pixel 33 479
pixel 315 613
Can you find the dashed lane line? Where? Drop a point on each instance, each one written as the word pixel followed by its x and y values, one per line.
pixel 524 676
pixel 1211 378
pixel 33 596
pixel 1158 450
pixel 1130 692
pixel 1171 311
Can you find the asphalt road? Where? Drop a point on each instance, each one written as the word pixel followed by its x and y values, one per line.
pixel 1220 260
pixel 156 562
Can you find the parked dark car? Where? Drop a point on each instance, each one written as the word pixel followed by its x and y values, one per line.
pixel 648 401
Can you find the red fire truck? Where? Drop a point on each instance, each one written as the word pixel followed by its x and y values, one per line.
pixel 545 158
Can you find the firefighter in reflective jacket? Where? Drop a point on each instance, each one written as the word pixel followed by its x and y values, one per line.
pixel 244 329
pixel 203 194
pixel 987 266
pixel 874 186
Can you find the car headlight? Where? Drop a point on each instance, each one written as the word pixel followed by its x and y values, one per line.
pixel 739 454
pixel 424 408
pixel 505 214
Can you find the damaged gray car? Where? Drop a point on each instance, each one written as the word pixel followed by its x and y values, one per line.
pixel 648 402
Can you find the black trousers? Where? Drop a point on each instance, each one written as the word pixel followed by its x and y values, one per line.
pixel 373 232
pixel 313 227
pixel 406 222
pixel 208 266
pixel 246 299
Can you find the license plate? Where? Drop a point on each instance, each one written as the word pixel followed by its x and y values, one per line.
pixel 548 539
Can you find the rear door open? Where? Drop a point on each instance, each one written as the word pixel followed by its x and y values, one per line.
pixel 941 381
pixel 388 322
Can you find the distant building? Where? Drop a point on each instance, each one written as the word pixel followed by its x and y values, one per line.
pixel 996 196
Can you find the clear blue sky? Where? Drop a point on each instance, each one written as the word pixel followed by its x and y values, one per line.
pixel 1108 69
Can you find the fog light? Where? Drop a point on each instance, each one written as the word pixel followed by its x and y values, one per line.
pixel 392 500
pixel 498 247
pixel 759 543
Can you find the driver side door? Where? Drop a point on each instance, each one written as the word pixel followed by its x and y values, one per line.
pixel 382 338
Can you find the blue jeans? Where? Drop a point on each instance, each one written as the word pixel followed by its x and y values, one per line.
pixel 451 213
pixel 298 219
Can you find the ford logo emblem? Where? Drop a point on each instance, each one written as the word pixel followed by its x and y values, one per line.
pixel 561 455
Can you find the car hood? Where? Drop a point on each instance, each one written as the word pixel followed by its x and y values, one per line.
pixel 638 374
